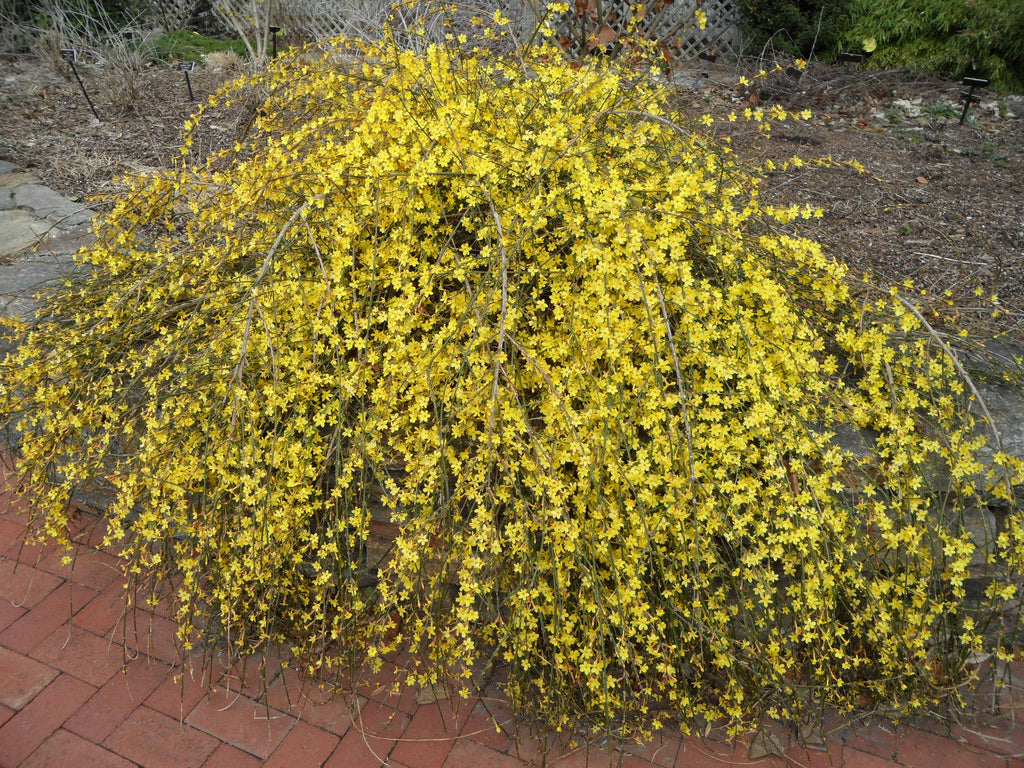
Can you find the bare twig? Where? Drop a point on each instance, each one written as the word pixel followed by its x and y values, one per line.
pixel 959 368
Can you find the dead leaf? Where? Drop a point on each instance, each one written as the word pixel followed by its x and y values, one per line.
pixel 431 694
pixel 922 180
pixel 604 36
pixel 765 743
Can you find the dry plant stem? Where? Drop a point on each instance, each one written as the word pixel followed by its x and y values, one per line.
pixel 504 315
pixel 959 369
pixel 678 369
pixel 237 373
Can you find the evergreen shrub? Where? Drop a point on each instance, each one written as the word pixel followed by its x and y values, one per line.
pixel 982 38
pixel 802 28
pixel 547 324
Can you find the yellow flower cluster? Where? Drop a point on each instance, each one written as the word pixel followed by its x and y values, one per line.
pixel 520 306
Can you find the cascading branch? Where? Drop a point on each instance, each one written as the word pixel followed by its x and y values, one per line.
pixel 554 331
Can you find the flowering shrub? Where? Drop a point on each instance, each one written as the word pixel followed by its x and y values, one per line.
pixel 551 329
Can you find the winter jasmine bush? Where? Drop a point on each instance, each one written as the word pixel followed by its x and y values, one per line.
pixel 524 307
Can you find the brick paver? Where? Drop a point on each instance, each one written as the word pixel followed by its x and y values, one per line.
pixel 45 617
pixel 226 756
pixel 430 735
pixel 921 749
pixel 470 754
pixel 29 728
pixel 305 746
pixel 66 749
pixel 374 734
pixel 178 695
pixel 88 567
pixel 21 678
pixel 118 698
pixel 315 704
pixel 9 613
pixel 23 585
pixel 104 612
pixel 80 653
pixel 241 722
pixel 84 685
pixel 154 740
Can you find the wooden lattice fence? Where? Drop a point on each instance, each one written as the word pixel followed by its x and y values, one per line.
pixel 588 26
pixel 598 25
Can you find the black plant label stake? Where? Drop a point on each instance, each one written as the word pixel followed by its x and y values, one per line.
pixel 186 67
pixel 70 55
pixel 969 96
pixel 273 40
pixel 850 58
pixel 705 58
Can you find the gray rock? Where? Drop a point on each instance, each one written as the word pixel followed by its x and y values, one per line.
pixel 47 204
pixel 19 230
pixel 37 197
pixel 67 217
pixel 9 181
pixel 6 167
pixel 1006 404
pixel 23 281
pixel 858 442
pixel 60 242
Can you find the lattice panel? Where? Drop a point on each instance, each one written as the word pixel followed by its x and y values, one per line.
pixel 321 19
pixel 671 23
pixel 175 13
pixel 308 18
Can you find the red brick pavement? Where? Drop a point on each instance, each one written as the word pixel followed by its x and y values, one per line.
pixel 79 688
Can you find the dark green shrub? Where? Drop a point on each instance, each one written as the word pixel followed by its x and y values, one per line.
pixel 186 45
pixel 798 27
pixel 954 37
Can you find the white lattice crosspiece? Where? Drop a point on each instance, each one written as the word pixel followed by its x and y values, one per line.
pixel 670 22
pixel 174 14
pixel 597 24
pixel 306 19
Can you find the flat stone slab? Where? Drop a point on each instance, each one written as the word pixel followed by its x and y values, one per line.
pixel 47 204
pixel 61 242
pixel 37 197
pixel 22 281
pixel 10 182
pixel 6 167
pixel 20 230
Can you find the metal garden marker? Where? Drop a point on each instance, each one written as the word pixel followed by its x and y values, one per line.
pixel 70 55
pixel 273 40
pixel 850 58
pixel 969 96
pixel 186 67
pixel 709 58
